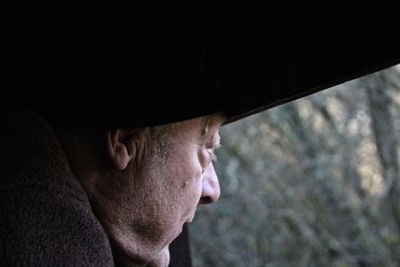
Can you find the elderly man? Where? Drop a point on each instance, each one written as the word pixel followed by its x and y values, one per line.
pixel 95 197
pixel 145 184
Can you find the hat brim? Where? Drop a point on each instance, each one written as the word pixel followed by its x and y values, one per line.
pixel 124 72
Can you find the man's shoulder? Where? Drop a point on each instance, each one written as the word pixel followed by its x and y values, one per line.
pixel 45 215
pixel 45 226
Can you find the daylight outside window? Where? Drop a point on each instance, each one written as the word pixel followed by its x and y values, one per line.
pixel 314 182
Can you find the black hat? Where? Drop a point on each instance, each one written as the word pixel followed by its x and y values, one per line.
pixel 116 66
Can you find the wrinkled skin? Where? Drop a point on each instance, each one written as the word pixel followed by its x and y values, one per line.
pixel 143 217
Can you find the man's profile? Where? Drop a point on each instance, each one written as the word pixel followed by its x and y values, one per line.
pixel 145 184
pixel 100 197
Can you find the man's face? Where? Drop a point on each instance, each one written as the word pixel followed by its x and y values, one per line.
pixel 177 175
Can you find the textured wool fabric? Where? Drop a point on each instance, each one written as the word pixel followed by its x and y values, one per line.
pixel 45 216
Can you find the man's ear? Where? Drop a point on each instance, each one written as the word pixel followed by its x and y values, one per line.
pixel 120 148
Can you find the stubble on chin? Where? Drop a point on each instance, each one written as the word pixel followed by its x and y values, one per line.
pixel 162 259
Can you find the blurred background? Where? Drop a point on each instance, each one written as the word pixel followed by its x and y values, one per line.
pixel 314 182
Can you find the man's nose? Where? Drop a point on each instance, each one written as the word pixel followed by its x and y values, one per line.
pixel 211 190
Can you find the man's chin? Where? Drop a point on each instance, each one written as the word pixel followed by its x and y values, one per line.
pixel 162 259
pixel 191 218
